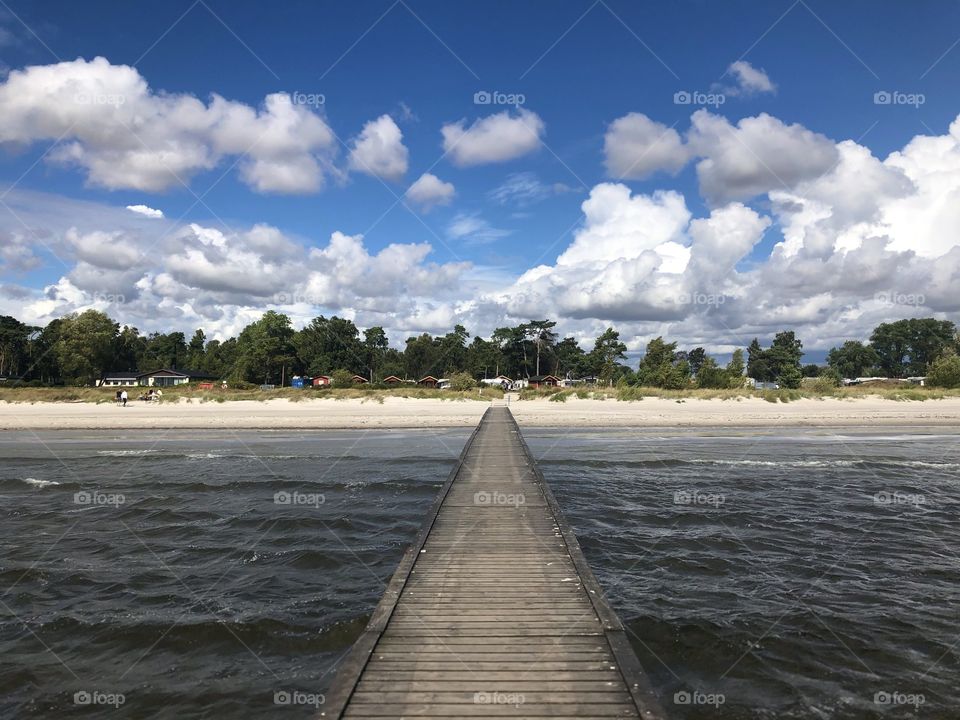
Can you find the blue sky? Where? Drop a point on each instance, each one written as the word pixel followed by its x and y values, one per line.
pixel 580 66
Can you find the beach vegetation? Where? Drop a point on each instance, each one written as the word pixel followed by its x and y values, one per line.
pixel 945 371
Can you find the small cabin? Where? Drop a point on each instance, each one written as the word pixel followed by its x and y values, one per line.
pixel 120 379
pixel 359 379
pixel 392 380
pixel 322 381
pixel 429 381
pixel 541 381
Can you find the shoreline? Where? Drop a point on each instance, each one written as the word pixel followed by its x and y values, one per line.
pixel 407 413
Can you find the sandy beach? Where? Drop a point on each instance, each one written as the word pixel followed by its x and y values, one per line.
pixel 395 412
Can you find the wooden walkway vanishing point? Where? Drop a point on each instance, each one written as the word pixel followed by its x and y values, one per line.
pixel 493 612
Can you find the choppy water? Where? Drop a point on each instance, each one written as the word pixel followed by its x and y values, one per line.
pixel 801 575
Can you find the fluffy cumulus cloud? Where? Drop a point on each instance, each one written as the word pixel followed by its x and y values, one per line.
pixel 493 139
pixel 755 156
pixel 379 150
pixel 735 162
pixel 855 240
pixel 146 211
pixel 429 191
pixel 107 121
pixel 635 147
pixel 221 280
pixel 800 231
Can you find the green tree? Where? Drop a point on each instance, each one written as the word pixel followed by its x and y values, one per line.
pixel 511 343
pixel 452 351
pixel 606 354
pixel 341 378
pixel 44 361
pixel 85 345
pixel 570 359
pixel 907 347
pixel 220 358
pixel 734 370
pixel 779 363
pixel 758 364
pixel 852 359
pixel 711 375
pixel 483 358
pixel 164 350
pixel 420 356
pixel 811 370
pixel 326 344
pixel 14 339
pixel 375 346
pixel 790 377
pixel 540 332
pixel 696 357
pixel 662 366
pixel 265 349
pixel 196 349
pixel 128 349
pixel 462 381
pixel 945 370
pixel 784 355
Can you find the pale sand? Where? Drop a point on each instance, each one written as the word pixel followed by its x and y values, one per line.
pixel 397 412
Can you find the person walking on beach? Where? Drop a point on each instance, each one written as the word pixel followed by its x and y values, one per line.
pixel 123 398
pixel 117 400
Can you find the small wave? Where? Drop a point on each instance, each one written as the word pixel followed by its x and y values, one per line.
pixel 39 483
pixel 781 463
pixel 124 453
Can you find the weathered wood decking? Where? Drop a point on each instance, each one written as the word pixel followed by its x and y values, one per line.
pixel 493 612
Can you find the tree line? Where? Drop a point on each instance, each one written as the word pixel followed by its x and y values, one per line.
pixel 81 348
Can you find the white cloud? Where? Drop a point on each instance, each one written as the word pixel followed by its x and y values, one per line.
pixel 472 229
pixel 379 150
pixel 429 191
pixel 145 210
pixel 524 188
pixel 493 139
pixel 857 231
pixel 750 80
pixel 125 135
pixel 635 147
pixel 736 162
pixel 755 156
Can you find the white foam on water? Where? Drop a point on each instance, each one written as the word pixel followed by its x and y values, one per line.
pixel 40 483
pixel 122 453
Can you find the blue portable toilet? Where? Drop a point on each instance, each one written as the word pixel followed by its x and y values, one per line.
pixel 297 382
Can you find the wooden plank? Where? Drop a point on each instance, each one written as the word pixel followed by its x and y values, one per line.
pixel 493 611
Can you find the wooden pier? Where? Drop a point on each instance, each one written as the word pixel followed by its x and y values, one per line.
pixel 493 612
